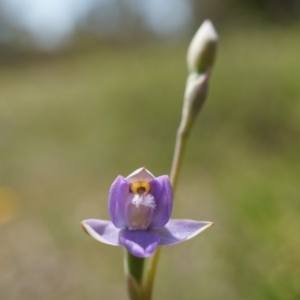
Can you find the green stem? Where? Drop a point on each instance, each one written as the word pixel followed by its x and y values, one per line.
pixel 140 288
pixel 181 139
pixel 149 278
pixel 134 268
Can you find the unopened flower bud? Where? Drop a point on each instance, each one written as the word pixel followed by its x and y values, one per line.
pixel 202 50
pixel 194 97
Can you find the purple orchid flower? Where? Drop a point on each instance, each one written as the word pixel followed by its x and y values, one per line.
pixel 140 208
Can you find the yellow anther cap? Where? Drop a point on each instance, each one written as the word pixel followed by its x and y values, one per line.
pixel 140 187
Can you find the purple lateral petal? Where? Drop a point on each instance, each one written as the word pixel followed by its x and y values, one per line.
pixel 177 231
pixel 102 231
pixel 140 243
pixel 118 194
pixel 162 192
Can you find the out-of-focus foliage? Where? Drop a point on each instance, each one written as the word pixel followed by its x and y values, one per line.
pixel 70 123
pixel 50 25
pixel 269 10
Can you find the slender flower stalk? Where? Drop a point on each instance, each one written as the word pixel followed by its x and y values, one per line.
pixel 200 59
pixel 134 269
pixel 176 164
pixel 140 205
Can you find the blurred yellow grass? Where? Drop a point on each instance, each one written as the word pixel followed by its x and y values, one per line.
pixel 9 205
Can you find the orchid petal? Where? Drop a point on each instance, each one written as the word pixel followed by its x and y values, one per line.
pixel 177 231
pixel 141 174
pixel 140 243
pixel 162 192
pixel 102 231
pixel 118 194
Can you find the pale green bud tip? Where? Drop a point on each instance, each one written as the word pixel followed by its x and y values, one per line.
pixel 202 50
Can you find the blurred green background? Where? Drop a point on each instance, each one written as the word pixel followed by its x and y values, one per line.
pixel 74 118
